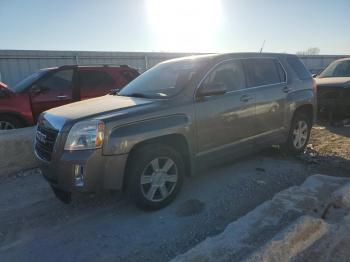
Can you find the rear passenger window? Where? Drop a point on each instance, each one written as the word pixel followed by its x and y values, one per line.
pixel 299 68
pixel 95 78
pixel 230 74
pixel 262 71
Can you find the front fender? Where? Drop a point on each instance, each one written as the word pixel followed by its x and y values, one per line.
pixel 122 139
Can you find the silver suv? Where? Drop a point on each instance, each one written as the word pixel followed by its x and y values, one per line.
pixel 172 120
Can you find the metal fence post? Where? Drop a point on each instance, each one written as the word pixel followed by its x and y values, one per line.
pixel 146 63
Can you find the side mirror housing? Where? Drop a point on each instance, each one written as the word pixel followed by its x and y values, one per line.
pixel 114 91
pixel 211 90
pixel 35 89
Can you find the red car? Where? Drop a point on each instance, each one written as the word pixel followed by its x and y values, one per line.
pixel 21 104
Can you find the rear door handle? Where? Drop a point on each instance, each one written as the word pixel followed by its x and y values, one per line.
pixel 62 96
pixel 286 89
pixel 246 98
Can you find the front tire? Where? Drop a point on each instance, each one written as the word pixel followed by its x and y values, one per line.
pixel 8 122
pixel 155 176
pixel 299 134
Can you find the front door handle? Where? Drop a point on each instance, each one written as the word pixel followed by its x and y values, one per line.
pixel 246 98
pixel 62 96
pixel 286 89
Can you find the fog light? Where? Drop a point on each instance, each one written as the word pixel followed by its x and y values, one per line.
pixel 79 175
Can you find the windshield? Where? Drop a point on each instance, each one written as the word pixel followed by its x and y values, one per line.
pixel 337 69
pixel 23 84
pixel 162 81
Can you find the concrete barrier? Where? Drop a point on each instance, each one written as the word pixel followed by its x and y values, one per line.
pixel 16 150
pixel 277 230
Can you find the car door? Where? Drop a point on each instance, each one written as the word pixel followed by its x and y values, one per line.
pixel 227 119
pixel 53 90
pixel 95 82
pixel 268 79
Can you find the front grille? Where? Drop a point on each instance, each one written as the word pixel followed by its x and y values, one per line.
pixel 44 142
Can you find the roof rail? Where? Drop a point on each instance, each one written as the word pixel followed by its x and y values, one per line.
pixel 67 66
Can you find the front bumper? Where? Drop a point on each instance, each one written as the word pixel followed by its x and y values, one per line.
pixel 333 100
pixel 96 171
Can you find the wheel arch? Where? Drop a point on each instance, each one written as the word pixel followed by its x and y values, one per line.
pixel 17 116
pixel 177 141
pixel 307 109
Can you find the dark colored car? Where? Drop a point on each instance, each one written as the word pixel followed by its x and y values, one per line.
pixel 173 119
pixel 21 104
pixel 333 90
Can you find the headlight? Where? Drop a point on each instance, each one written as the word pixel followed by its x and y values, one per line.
pixel 85 135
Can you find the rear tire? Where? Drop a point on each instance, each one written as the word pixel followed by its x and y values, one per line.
pixel 155 176
pixel 9 122
pixel 299 134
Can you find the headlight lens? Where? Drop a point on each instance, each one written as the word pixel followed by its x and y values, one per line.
pixel 85 135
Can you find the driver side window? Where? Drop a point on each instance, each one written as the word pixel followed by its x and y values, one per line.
pixel 58 81
pixel 230 74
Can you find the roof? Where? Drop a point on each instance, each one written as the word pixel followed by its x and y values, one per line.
pixel 87 66
pixel 342 59
pixel 227 56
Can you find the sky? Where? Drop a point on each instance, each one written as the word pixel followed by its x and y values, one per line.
pixel 176 25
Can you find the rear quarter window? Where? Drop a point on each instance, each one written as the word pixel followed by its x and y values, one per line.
pixel 263 71
pixel 299 68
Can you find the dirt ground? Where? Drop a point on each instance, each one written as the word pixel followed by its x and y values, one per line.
pixel 35 226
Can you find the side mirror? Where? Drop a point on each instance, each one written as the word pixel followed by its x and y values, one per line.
pixel 314 75
pixel 211 90
pixel 114 91
pixel 35 89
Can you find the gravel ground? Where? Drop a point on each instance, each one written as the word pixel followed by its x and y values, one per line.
pixel 329 150
pixel 34 226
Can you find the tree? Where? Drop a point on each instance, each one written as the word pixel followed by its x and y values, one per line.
pixel 310 51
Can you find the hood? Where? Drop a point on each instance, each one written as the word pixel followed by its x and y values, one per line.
pixel 3 85
pixel 4 90
pixel 96 106
pixel 333 82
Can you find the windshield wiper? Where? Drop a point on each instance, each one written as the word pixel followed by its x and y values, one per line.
pixel 138 95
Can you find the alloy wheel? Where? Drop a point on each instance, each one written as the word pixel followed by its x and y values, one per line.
pixel 300 134
pixel 158 179
pixel 4 125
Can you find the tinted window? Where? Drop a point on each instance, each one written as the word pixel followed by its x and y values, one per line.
pixel 163 80
pixel 23 84
pixel 95 78
pixel 281 72
pixel 262 71
pixel 129 75
pixel 230 74
pixel 58 80
pixel 337 69
pixel 299 68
